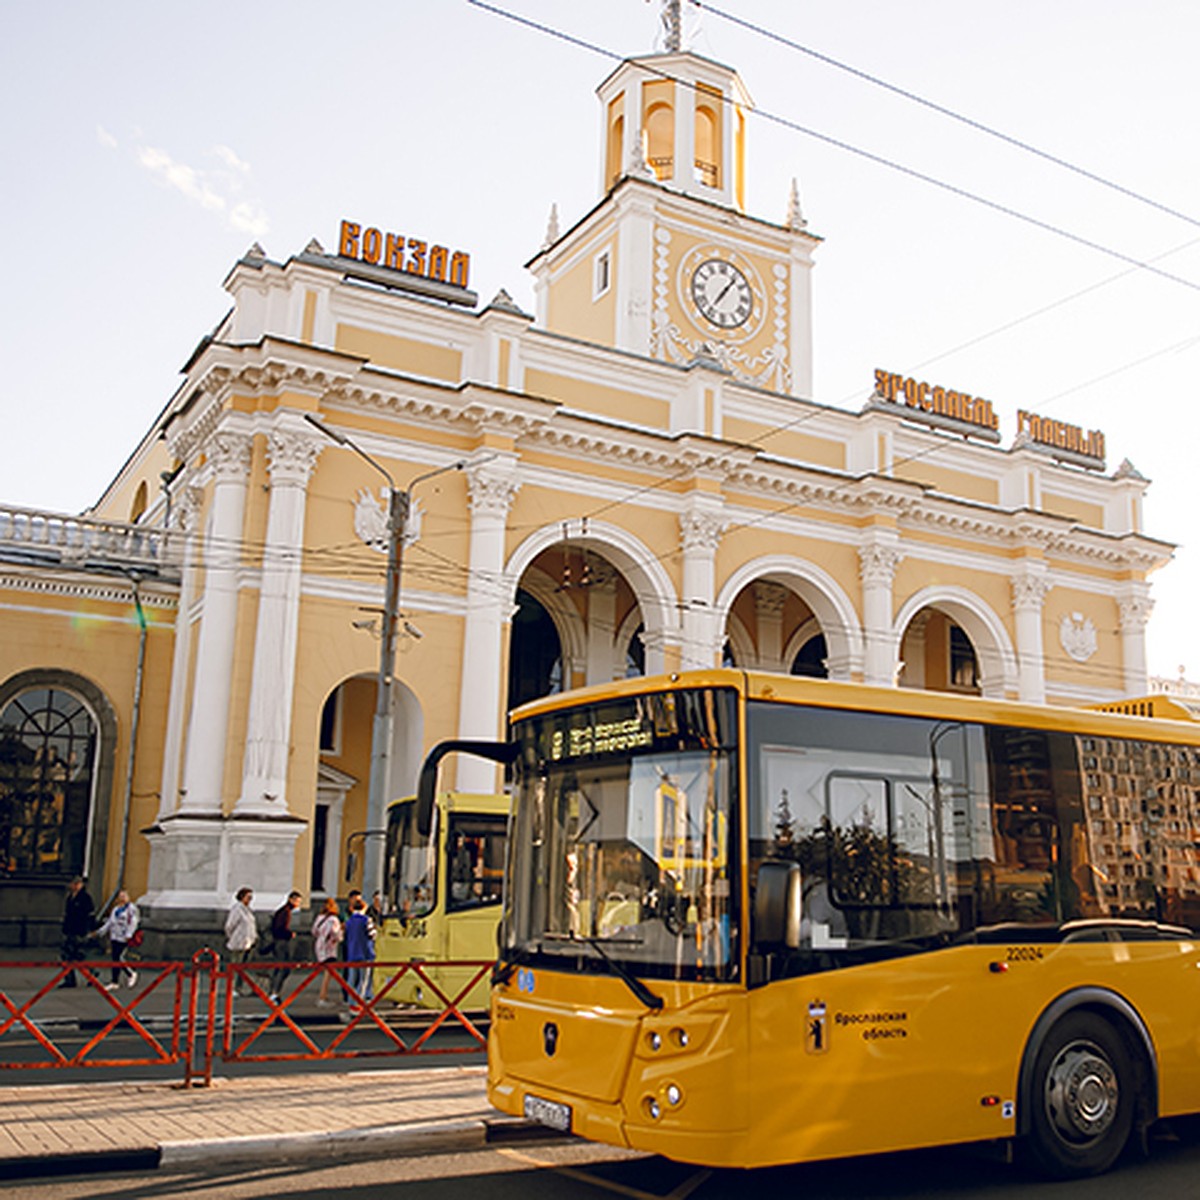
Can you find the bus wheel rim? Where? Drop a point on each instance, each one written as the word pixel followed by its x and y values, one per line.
pixel 1082 1094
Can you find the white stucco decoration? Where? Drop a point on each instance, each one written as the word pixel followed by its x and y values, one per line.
pixel 1078 636
pixel 371 522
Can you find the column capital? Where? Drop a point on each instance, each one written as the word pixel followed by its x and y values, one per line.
pixel 228 452
pixel 701 529
pixel 1029 591
pixel 1135 613
pixel 291 456
pixel 188 502
pixel 877 564
pixel 491 488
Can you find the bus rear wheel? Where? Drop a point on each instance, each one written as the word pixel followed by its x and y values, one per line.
pixel 1082 1098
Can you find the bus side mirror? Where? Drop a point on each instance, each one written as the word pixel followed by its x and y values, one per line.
pixel 500 752
pixel 777 905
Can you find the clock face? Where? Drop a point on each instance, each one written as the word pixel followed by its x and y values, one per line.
pixel 722 293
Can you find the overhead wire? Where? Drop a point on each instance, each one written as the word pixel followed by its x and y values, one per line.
pixel 945 111
pixel 345 559
pixel 868 155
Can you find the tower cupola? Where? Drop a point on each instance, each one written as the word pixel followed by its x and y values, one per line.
pixel 680 119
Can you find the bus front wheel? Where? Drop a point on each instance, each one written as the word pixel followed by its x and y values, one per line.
pixel 1081 1099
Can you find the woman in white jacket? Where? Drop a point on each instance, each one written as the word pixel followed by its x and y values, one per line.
pixel 241 933
pixel 120 927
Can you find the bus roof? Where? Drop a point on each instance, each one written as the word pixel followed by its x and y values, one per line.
pixel 1160 719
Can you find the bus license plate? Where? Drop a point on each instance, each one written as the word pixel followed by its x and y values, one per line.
pixel 548 1112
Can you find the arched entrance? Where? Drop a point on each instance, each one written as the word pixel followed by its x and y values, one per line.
pixel 951 641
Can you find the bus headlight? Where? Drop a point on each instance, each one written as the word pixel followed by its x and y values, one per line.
pixel 680 1037
pixel 654 1041
pixel 674 1095
pixel 653 1111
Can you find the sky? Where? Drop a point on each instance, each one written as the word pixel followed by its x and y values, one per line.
pixel 145 146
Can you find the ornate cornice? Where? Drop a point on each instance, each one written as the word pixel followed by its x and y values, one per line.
pixel 78 589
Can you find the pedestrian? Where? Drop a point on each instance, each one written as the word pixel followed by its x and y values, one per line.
pixel 241 934
pixel 120 927
pixel 360 947
pixel 286 943
pixel 78 925
pixel 375 911
pixel 327 934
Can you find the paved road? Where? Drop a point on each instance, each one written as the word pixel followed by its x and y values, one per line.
pixel 578 1171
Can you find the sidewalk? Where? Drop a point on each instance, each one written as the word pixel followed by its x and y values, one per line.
pixel 74 1128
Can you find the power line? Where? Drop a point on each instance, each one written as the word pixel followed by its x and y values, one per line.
pixel 949 113
pixel 868 155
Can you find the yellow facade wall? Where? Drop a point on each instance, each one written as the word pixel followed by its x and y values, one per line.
pixel 948 481
pixel 610 402
pixel 787 443
pixel 1091 515
pixel 400 353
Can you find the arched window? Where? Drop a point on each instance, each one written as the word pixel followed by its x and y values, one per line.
pixel 535 654
pixel 964 666
pixel 635 655
pixel 47 760
pixel 660 138
pixel 708 151
pixel 810 661
pixel 616 150
pixel 140 500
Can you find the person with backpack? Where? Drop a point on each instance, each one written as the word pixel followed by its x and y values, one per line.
pixel 327 936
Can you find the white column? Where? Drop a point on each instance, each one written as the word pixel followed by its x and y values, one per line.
pixel 188 504
pixel 228 453
pixel 492 485
pixel 700 528
pixel 1029 591
pixel 291 456
pixel 601 632
pixel 1135 612
pixel 877 567
pixel 769 599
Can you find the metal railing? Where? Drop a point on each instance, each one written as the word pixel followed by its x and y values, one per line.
pixel 198 1013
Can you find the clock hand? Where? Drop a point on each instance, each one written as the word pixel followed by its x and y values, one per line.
pixel 724 292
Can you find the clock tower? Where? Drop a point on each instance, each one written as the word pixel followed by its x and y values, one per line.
pixel 668 264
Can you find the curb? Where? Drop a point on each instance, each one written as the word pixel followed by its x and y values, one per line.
pixel 425 1137
pixel 377 1141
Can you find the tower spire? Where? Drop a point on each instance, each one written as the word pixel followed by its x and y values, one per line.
pixel 672 23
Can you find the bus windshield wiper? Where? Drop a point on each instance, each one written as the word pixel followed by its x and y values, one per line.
pixel 627 977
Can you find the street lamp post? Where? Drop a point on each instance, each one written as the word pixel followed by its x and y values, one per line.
pixel 399 504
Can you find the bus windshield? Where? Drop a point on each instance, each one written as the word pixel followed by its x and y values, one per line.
pixel 621 837
pixel 411 863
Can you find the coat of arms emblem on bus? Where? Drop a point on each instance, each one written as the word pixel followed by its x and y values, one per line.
pixel 816 1035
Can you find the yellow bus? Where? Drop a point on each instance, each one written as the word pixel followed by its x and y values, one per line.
pixel 848 920
pixel 442 894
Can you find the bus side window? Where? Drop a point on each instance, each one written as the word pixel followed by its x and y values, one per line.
pixel 475 861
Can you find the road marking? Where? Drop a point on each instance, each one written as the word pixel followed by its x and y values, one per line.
pixel 684 1190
